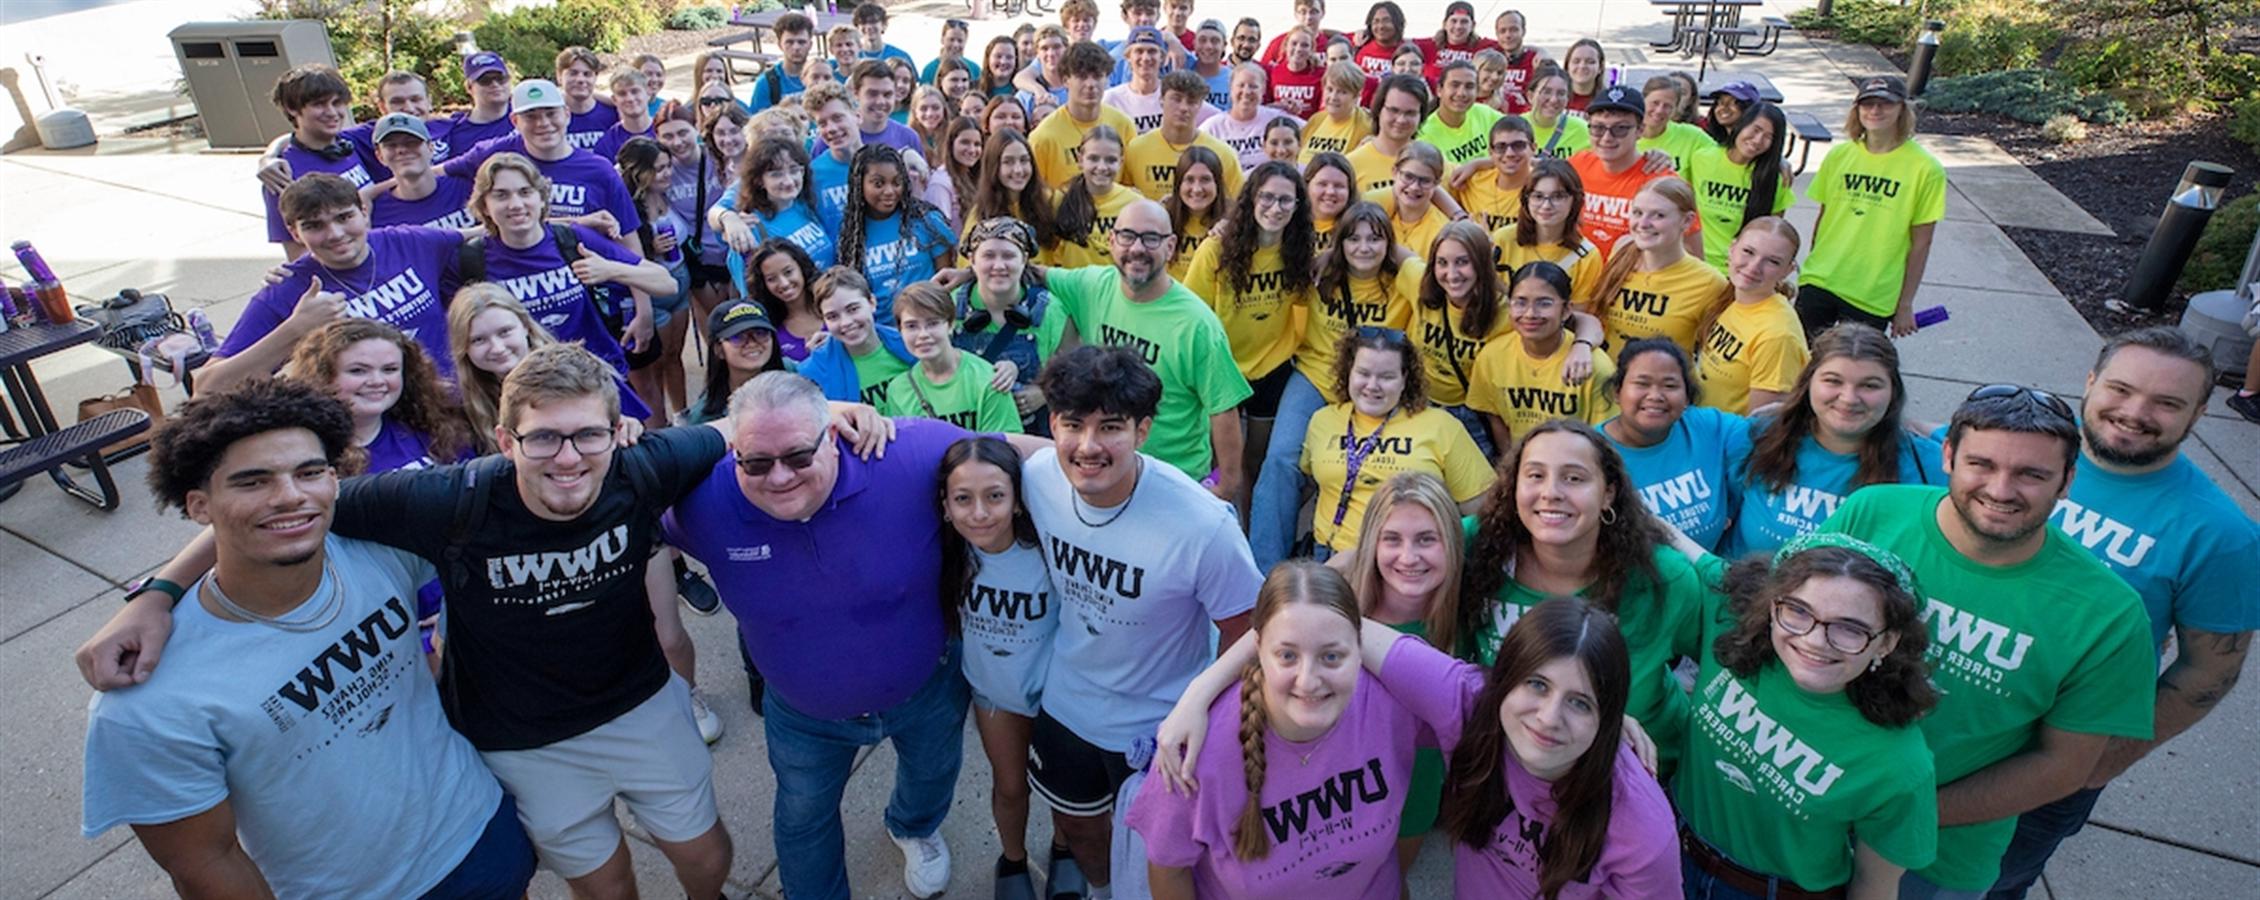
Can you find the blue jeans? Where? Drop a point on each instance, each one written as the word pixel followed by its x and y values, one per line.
pixel 499 865
pixel 2038 834
pixel 1701 885
pixel 1916 887
pixel 812 759
pixel 1278 496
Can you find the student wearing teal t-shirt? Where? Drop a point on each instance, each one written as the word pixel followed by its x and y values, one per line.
pixel 1837 431
pixel 1677 452
pixel 2040 656
pixel 2146 511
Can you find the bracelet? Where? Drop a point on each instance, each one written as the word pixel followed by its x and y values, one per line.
pixel 1588 344
pixel 159 585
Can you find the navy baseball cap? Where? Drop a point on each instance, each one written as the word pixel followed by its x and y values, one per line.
pixel 1618 98
pixel 482 62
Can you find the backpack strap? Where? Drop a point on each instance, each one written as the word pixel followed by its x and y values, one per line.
pixel 471 260
pixel 472 495
pixel 568 242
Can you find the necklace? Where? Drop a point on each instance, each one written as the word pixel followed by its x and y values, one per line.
pixel 317 620
pixel 1074 501
pixel 340 281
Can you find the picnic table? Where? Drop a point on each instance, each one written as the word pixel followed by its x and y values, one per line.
pixel 755 23
pixel 43 444
pixel 1710 82
pixel 1698 26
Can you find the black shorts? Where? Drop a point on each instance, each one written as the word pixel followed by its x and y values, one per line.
pixel 703 275
pixel 1818 309
pixel 642 359
pixel 1264 403
pixel 1074 776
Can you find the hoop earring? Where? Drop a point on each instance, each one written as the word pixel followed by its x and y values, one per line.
pixel 1608 515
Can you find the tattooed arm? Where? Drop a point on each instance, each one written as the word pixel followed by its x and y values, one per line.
pixel 2202 674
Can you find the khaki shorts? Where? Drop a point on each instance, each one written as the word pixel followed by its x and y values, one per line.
pixel 650 756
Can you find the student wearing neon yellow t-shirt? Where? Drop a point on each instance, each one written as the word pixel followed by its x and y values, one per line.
pixel 1091 201
pixel 1546 229
pixel 1493 198
pixel 1411 196
pixel 1058 139
pixel 1366 279
pixel 1384 426
pixel 2040 653
pixel 1653 287
pixel 1825 642
pixel 1728 180
pixel 1340 124
pixel 1555 132
pixel 1522 380
pixel 1881 197
pixel 1749 356
pixel 1659 131
pixel 947 383
pixel 1460 128
pixel 1150 162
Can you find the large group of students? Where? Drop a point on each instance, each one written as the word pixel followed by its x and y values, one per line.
pixel 1283 451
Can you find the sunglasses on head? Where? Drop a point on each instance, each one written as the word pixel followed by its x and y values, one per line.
pixel 2046 400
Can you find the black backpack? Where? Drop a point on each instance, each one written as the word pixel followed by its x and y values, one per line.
pixel 471 255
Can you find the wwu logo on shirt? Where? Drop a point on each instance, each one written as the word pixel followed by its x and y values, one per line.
pixel 1398 446
pixel 1872 185
pixel 1787 764
pixel 1349 312
pixel 1552 403
pixel 574 197
pixel 1723 343
pixel 1337 796
pixel 1809 504
pixel 1123 579
pixel 1613 208
pixel 582 140
pixel 1719 190
pixel 997 603
pixel 352 650
pixel 1644 302
pixel 541 285
pixel 2094 530
pixel 1116 337
pixel 1677 491
pixel 1977 648
pixel 400 289
pixel 527 568
pixel 1439 335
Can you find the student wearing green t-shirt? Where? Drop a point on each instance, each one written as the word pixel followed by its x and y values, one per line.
pixel 1660 131
pixel 862 356
pixel 1881 196
pixel 1460 127
pixel 2040 654
pixel 1804 769
pixel 1732 182
pixel 1005 314
pixel 947 383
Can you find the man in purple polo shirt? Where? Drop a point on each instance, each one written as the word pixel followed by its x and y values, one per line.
pixel 581 183
pixel 832 566
pixel 873 85
pixel 319 105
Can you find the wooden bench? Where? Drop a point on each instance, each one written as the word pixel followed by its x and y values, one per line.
pixel 81 442
pixel 1805 130
pixel 727 48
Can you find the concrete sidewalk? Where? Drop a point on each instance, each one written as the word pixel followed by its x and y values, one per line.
pixel 163 216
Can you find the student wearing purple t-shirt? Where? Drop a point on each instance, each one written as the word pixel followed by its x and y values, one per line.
pixel 487 76
pixel 589 116
pixel 580 183
pixel 319 105
pixel 417 194
pixel 399 276
pixel 567 296
pixel 631 97
pixel 873 86
pixel 825 558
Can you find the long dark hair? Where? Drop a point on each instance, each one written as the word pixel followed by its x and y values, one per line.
pixel 1475 784
pixel 1297 245
pixel 963 177
pixel 1896 693
pixel 1182 217
pixel 636 161
pixel 1079 206
pixel 1526 227
pixel 1765 169
pixel 1483 308
pixel 1626 545
pixel 959 562
pixel 1773 453
pixel 716 401
pixel 1334 270
pixel 765 156
pixel 915 211
pixel 1032 204
pixel 1384 8
pixel 757 287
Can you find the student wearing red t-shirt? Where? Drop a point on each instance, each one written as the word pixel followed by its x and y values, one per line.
pixel 1587 66
pixel 1295 82
pixel 1457 40
pixel 1613 170
pixel 1522 62
pixel 1376 46
pixel 1308 13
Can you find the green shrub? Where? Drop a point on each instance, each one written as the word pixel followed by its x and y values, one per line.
pixel 529 37
pixel 2221 249
pixel 1994 39
pixel 1879 23
pixel 2244 120
pixel 2027 95
pixel 698 18
pixel 423 44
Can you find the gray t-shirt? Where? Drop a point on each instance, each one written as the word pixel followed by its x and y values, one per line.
pixel 329 745
pixel 1008 619
pixel 1136 595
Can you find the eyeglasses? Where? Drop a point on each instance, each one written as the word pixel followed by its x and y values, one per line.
pixel 1844 637
pixel 2043 399
pixel 1614 131
pixel 1418 181
pixel 1275 201
pixel 1532 304
pixel 1547 198
pixel 1151 240
pixel 545 444
pixel 713 101
pixel 760 466
pixel 1513 146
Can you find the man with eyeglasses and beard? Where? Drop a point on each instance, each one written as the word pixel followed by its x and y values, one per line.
pixel 2039 652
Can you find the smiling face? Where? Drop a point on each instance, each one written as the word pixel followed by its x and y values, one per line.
pixel 781 275
pixel 977 501
pixel 498 341
pixel 965 149
pixel 847 315
pixel 1560 490
pixel 1615 136
pixel 1196 187
pixel 1004 116
pixel 875 97
pixel 679 137
pixel 1759 260
pixel 1879 114
pixel 1400 115
pixel 1851 607
pixel 1410 551
pixel 1208 48
pixel 1849 397
pixel 784 492
pixel 954 83
pixel 926 336
pixel 406 97
pixel 562 486
pixel 835 124
pixel 729 138
pixel 1407 62
pixel 337 237
pixel 578 81
pixel 1099 453
pixel 1015 166
pixel 1377 381
pixel 269 498
pixel 1246 40
pixel 1456 271
pixel 1282 142
pixel 1275 204
pixel 322 119
pixel 1654 393
pixel 632 95
pixel 1145 61
pixel 1458 90
pixel 1584 65
pixel 1549 96
pixel 1301 51
pixel 929 110
pixel 1511 152
pixel 1329 194
pixel 2140 407
pixel 1247 92
pixel 1550 201
pixel 783 180
pixel 1139 265
pixel 1537 310
pixel 1414 186
pixel 1753 141
pixel 1364 247
pixel 999 264
pixel 1551 718
pixel 2005 483
pixel 1509 30
pixel 1310 660
pixel 491 89
pixel 882 189
pixel 749 351
pixel 514 205
pixel 368 377
pixel 1100 163
pixel 543 129
pixel 1655 221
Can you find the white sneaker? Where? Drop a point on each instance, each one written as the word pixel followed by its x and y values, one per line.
pixel 709 724
pixel 925 864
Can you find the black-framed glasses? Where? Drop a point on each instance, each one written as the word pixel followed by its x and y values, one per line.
pixel 760 466
pixel 2044 399
pixel 1275 201
pixel 1151 240
pixel 545 444
pixel 1843 637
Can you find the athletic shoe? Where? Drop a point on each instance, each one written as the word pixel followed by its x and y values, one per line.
pixel 2246 406
pixel 1063 879
pixel 925 864
pixel 1016 886
pixel 709 724
pixel 696 592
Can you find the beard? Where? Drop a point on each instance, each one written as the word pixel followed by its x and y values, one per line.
pixel 2015 533
pixel 2132 459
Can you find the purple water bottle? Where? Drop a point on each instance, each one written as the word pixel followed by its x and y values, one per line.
pixel 1927 317
pixel 201 325
pixel 674 253
pixel 33 263
pixel 32 314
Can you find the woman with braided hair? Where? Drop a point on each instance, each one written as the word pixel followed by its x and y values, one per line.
pixel 886 232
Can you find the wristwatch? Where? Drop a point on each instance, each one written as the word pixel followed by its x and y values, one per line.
pixel 159 585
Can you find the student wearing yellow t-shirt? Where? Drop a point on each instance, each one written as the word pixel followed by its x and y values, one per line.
pixel 1340 124
pixel 1459 311
pixel 1523 380
pixel 1333 187
pixel 1058 139
pixel 1723 179
pixel 1195 203
pixel 1366 280
pixel 1751 354
pixel 1881 197
pixel 1411 195
pixel 1092 200
pixel 1150 161
pixel 1546 229
pixel 1493 196
pixel 1399 105
pixel 1385 427
pixel 1653 287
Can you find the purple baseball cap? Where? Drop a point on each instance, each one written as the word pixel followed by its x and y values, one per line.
pixel 482 62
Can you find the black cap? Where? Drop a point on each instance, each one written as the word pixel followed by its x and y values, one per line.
pixel 1889 87
pixel 737 317
pixel 1618 98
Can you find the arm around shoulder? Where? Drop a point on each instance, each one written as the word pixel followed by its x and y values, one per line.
pixel 203 858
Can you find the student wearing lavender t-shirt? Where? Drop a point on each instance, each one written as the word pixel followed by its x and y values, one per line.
pixel 417 193
pixel 1301 718
pixel 1241 126
pixel 568 297
pixel 319 105
pixel 872 85
pixel 394 275
pixel 580 183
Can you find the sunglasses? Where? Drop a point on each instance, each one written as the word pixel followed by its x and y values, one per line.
pixel 760 466
pixel 2044 399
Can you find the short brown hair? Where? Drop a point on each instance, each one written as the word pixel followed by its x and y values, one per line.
pixel 483 184
pixel 1185 83
pixel 560 371
pixel 836 279
pixel 306 84
pixel 869 69
pixel 870 12
pixel 1078 9
pixel 795 23
pixel 1085 59
pixel 578 54
pixel 925 298
pixel 824 93
pixel 315 194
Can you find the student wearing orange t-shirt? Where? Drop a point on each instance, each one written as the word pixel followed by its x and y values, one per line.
pixel 1612 170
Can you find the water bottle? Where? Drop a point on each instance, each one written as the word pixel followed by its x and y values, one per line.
pixel 201 325
pixel 33 263
pixel 32 313
pixel 9 312
pixel 1925 318
pixel 675 253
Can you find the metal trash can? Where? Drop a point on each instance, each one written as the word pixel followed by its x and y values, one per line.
pixel 2216 318
pixel 232 67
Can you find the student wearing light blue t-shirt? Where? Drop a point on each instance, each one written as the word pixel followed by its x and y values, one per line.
pixel 888 233
pixel 293 721
pixel 1837 430
pixel 780 169
pixel 1677 453
pixel 2151 516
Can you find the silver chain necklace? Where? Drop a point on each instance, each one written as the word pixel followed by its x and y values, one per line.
pixel 317 620
pixel 1074 500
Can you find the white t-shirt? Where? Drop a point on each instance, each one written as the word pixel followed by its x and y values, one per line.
pixel 1136 595
pixel 1008 619
pixel 329 745
pixel 1246 138
pixel 1144 110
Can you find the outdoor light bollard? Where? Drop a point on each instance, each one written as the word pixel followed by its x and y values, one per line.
pixel 1926 50
pixel 2186 213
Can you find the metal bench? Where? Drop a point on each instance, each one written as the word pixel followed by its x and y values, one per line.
pixel 727 48
pixel 1768 41
pixel 82 442
pixel 1805 130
